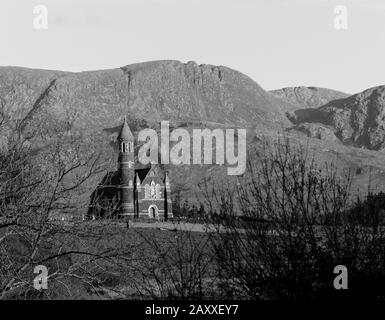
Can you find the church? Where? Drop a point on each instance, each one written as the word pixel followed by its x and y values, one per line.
pixel 129 192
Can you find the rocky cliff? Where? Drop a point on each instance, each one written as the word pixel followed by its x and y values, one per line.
pixel 358 120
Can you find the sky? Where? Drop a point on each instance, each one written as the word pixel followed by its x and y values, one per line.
pixel 278 43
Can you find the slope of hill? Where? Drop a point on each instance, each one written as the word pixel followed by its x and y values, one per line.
pixel 97 101
pixel 178 91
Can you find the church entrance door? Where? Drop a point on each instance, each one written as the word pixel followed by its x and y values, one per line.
pixel 153 211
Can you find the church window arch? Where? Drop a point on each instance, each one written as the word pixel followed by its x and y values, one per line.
pixel 152 191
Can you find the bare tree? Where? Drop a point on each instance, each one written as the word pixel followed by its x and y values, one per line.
pixel 288 224
pixel 178 269
pixel 36 187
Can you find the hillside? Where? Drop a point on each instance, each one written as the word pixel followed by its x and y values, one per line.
pixel 95 102
pixel 46 106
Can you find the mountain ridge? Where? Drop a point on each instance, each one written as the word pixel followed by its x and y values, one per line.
pixel 309 97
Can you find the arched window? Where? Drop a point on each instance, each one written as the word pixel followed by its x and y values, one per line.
pixel 147 191
pixel 157 191
pixel 152 191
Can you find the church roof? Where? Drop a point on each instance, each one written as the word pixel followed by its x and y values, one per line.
pixel 125 132
pixel 142 173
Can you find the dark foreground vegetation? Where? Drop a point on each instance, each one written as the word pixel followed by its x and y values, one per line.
pixel 300 222
pixel 276 234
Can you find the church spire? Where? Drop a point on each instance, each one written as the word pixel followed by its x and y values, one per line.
pixel 125 132
pixel 126 138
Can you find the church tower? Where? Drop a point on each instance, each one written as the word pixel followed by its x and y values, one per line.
pixel 126 169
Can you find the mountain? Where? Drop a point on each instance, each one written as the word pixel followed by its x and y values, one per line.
pixel 308 97
pixel 153 90
pixel 358 120
pixel 96 101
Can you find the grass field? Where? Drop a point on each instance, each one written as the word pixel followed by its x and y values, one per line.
pixel 153 258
